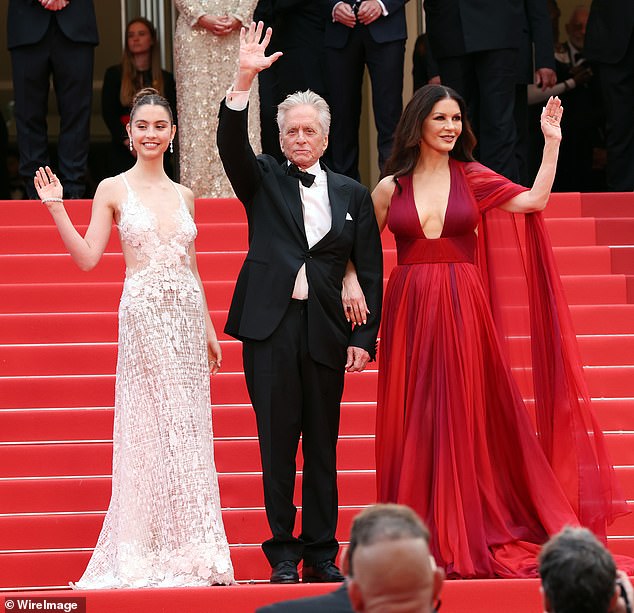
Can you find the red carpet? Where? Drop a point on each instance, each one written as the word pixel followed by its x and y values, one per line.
pixel 57 359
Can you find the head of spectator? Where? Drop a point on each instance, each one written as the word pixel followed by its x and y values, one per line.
pixel 578 575
pixel 409 131
pixel 390 567
pixel 576 26
pixel 303 119
pixel 141 54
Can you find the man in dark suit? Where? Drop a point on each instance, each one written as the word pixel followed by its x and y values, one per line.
pixel 536 67
pixel 379 526
pixel 286 309
pixel 53 38
pixel 477 45
pixel 360 33
pixel 298 31
pixel 609 45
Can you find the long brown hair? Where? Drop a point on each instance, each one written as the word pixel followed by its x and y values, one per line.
pixel 406 146
pixel 131 78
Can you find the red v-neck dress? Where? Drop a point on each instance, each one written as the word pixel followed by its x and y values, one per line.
pixel 454 438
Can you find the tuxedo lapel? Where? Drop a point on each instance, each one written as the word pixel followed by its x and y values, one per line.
pixel 339 196
pixel 289 186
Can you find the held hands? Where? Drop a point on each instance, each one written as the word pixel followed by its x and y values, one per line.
pixel 251 59
pixel 48 186
pixel 354 305
pixel 357 359
pixel 551 119
pixel 214 354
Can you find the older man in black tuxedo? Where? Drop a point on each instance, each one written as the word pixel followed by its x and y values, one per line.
pixel 304 228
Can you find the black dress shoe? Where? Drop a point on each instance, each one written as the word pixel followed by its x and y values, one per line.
pixel 321 572
pixel 285 572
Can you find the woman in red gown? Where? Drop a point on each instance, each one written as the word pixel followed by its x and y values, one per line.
pixel 454 438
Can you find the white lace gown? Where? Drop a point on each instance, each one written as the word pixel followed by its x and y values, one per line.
pixel 164 524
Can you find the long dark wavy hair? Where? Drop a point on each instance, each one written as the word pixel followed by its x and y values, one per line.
pixel 406 146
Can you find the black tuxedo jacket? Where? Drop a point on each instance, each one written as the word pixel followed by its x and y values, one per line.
pixel 28 21
pixel 278 248
pixel 333 602
pixel 383 30
pixel 458 27
pixel 609 31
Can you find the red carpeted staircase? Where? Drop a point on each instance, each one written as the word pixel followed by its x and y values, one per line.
pixel 57 358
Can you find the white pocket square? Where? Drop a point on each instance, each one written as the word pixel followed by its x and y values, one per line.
pixel 348 217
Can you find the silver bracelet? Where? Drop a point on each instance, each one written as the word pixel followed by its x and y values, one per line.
pixel 45 200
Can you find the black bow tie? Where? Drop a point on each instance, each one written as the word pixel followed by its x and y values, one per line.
pixel 306 178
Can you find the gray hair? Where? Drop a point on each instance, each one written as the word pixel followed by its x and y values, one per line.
pixel 309 98
pixel 384 522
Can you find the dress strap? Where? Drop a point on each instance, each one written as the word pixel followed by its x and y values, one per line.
pixel 125 180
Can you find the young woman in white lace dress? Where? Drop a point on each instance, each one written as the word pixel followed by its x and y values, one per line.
pixel 164 524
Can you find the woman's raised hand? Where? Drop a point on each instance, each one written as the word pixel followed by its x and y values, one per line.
pixel 252 48
pixel 47 184
pixel 551 119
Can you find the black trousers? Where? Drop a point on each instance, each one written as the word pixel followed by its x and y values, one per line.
pixel 292 395
pixel 71 66
pixel 617 84
pixel 486 80
pixel 344 76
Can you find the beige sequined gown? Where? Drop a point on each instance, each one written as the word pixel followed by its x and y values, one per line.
pixel 164 525
pixel 204 68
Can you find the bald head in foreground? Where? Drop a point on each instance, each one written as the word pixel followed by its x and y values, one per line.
pixel 390 567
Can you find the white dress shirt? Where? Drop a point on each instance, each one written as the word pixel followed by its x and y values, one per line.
pixel 315 203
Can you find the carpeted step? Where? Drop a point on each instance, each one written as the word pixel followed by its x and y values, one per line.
pixel 95 458
pixel 99 326
pixel 92 494
pixel 237 491
pixel 104 296
pixel 57 568
pixel 85 423
pixel 230 388
pixel 59 267
pixel 45 240
pixel 32 212
pixel 615 231
pixel 241 455
pixel 101 358
pixel 483 596
pixel 81 530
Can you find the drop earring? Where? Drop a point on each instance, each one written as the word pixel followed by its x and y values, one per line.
pixel 172 146
pixel 131 147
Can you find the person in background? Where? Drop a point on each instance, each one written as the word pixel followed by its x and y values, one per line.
pixel 579 575
pixel 609 46
pixel 206 42
pixel 140 67
pixel 536 68
pixel 362 33
pixel 298 32
pixel 53 38
pixel 582 144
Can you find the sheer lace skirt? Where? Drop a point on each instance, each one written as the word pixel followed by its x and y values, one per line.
pixel 164 524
